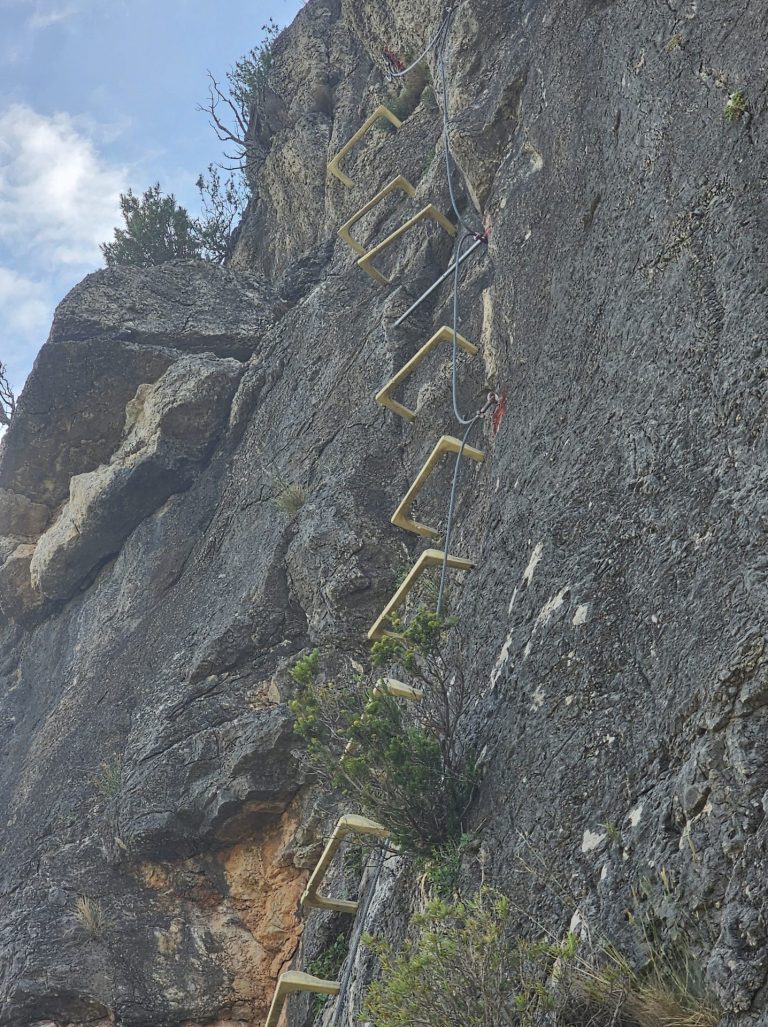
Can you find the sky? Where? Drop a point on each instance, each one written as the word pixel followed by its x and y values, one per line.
pixel 96 97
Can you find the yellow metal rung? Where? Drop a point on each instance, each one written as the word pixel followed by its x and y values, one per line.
pixel 397 183
pixel 295 980
pixel 445 444
pixel 398 689
pixel 346 825
pixel 429 558
pixel 380 112
pixel 384 396
pixel 429 212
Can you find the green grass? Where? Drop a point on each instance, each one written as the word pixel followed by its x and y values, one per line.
pixel 736 106
pixel 109 780
pixel 327 966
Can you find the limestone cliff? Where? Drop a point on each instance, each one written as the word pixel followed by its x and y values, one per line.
pixel 156 828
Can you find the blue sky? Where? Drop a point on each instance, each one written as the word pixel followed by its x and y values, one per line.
pixel 97 96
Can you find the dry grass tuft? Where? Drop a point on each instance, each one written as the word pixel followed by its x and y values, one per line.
pixel 291 498
pixel 90 915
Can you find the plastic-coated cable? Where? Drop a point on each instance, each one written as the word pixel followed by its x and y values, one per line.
pixel 455 325
pixel 430 45
pixel 449 158
pixel 466 233
pixel 357 934
pixel 451 508
pixel 441 37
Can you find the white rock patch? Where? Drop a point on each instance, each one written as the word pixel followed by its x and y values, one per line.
pixel 591 840
pixel 502 660
pixel 533 563
pixel 551 606
pixel 634 815
pixel 581 614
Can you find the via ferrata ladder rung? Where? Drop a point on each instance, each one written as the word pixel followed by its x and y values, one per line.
pixel 429 558
pixel 295 980
pixel 401 182
pixel 380 112
pixel 445 444
pixel 444 334
pixel 429 212
pixel 349 824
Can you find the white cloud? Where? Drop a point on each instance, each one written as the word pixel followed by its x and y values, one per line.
pixel 26 306
pixel 58 198
pixel 44 12
pixel 44 16
pixel 24 303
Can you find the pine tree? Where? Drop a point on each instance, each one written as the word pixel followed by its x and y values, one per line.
pixel 156 229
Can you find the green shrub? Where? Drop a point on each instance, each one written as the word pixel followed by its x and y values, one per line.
pixel 407 100
pixel 156 229
pixel 736 106
pixel 327 965
pixel 429 160
pixel 305 669
pixel 462 965
pixel 248 78
pixel 223 202
pixel 462 969
pixel 416 777
pixel 429 99
pixel 109 780
pixel 442 867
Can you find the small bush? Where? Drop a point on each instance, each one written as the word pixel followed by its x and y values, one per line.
pixel 90 915
pixel 156 229
pixel 248 78
pixel 416 777
pixel 407 100
pixel 7 397
pixel 429 99
pixel 461 968
pixel 110 778
pixel 441 869
pixel 327 965
pixel 674 43
pixel 231 107
pixel 736 106
pixel 463 965
pixel 305 669
pixel 223 202
pixel 429 160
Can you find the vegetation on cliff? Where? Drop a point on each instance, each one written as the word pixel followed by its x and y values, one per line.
pixel 412 773
pixel 465 963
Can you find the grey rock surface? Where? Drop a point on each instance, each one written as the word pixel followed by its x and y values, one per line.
pixel 615 626
pixel 170 429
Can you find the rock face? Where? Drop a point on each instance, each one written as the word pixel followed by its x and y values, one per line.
pixel 155 584
pixel 170 428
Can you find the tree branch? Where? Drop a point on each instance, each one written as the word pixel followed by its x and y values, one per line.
pixel 7 398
